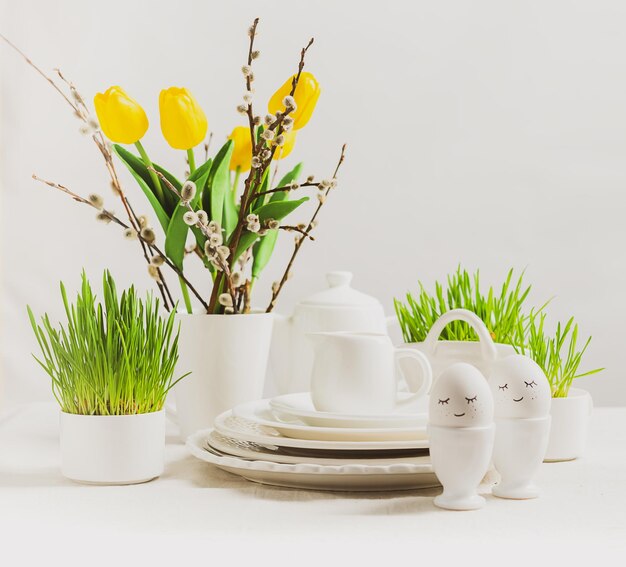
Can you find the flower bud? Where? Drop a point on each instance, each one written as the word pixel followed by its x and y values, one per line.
pixel 103 217
pixel 148 235
pixel 188 191
pixel 241 158
pixel 304 99
pixel 226 300
pixel 203 218
pixel 190 218
pixel 121 117
pixel 96 200
pixel 183 122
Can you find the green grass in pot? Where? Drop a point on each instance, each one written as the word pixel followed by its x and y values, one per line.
pixel 502 311
pixel 111 358
pixel 559 356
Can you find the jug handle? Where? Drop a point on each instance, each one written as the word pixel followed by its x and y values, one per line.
pixel 426 371
pixel 487 347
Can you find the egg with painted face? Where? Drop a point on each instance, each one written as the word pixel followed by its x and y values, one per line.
pixel 461 398
pixel 520 388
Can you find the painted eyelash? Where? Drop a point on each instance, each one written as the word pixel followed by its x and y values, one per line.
pixel 505 387
pixel 530 384
pixel 444 401
pixel 471 400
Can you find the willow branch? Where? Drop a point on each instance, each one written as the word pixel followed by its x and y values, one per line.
pixel 256 174
pixel 278 288
pixel 122 224
pixel 296 79
pixel 286 188
pixel 302 231
pixel 81 111
pixel 39 70
pixel 249 111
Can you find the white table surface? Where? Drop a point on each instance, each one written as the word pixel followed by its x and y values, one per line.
pixel 197 509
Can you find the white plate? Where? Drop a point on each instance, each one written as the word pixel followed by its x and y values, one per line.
pixel 355 477
pixel 300 406
pixel 246 430
pixel 247 450
pixel 259 412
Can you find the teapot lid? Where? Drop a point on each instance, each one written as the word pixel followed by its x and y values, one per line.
pixel 340 294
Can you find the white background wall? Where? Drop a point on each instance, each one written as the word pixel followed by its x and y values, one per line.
pixel 488 133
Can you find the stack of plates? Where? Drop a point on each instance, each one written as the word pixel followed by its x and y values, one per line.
pixel 286 442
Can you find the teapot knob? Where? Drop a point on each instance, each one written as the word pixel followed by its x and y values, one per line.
pixel 336 279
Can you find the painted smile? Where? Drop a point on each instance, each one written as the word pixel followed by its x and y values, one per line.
pixel 459 414
pixel 519 399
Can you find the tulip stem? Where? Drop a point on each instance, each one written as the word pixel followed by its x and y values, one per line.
pixel 183 288
pixel 153 175
pixel 235 184
pixel 192 160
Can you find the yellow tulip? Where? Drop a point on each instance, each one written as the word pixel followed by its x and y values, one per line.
pixel 284 150
pixel 183 122
pixel 121 117
pixel 242 152
pixel 306 95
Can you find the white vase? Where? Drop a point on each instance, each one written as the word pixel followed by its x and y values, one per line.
pixel 227 356
pixel 570 425
pixel 112 449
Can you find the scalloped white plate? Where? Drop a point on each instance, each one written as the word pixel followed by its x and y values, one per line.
pixel 300 406
pixel 252 451
pixel 259 412
pixel 355 477
pixel 247 430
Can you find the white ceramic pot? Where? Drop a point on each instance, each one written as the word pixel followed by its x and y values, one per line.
pixel 227 356
pixel 443 354
pixel 112 449
pixel 570 425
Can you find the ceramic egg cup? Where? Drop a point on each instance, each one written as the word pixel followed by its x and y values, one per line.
pixel 461 435
pixel 518 398
pixel 522 398
pixel 460 457
pixel 520 446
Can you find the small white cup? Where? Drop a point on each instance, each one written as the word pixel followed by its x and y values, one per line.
pixel 355 373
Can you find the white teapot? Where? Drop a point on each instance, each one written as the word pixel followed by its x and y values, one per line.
pixel 338 308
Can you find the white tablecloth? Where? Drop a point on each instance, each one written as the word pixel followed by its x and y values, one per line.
pixel 199 509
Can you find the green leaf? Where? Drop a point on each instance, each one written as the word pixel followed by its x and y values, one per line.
pixel 218 184
pixel 276 210
pixel 137 169
pixel 286 180
pixel 231 210
pixel 200 177
pixel 170 197
pixel 265 183
pixel 264 248
pixel 262 252
pixel 176 236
